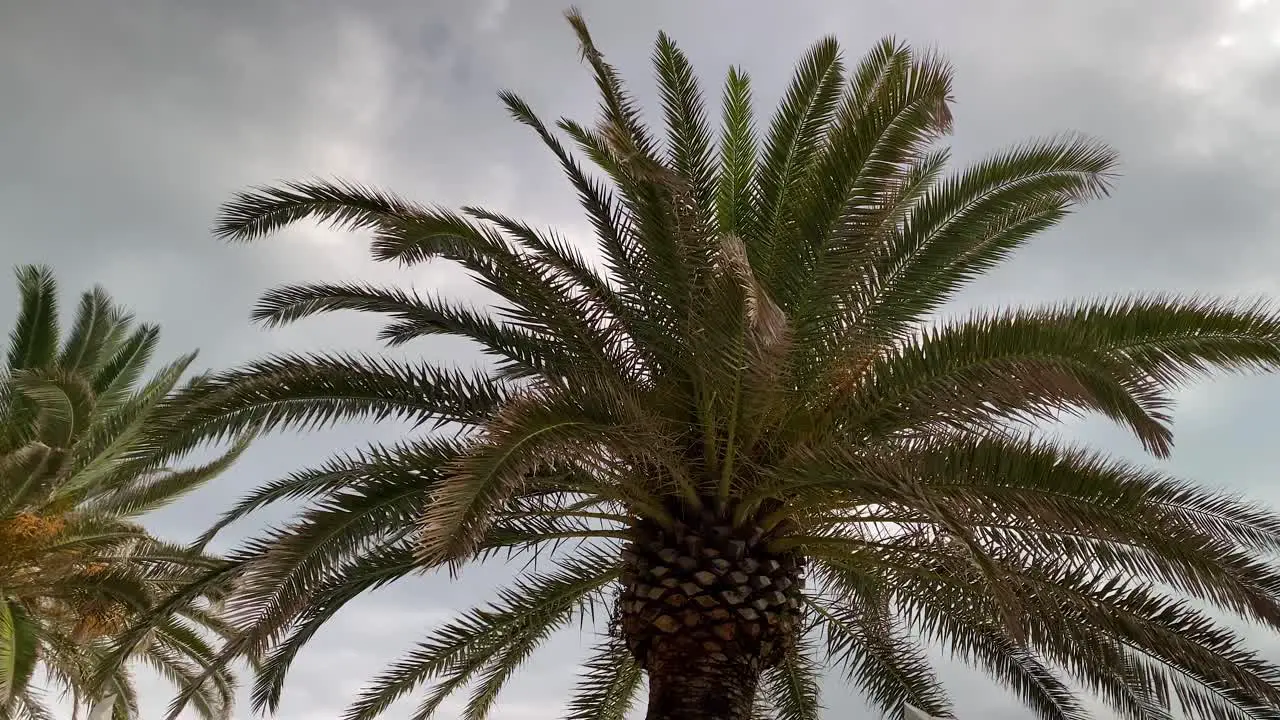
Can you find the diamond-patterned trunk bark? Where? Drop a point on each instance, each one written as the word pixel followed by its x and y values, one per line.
pixel 705 610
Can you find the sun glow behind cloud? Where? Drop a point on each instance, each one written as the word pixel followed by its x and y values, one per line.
pixel 1224 74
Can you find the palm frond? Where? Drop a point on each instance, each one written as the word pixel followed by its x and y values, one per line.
pixel 735 203
pixel 1141 347
pixel 171 667
pixel 28 705
pixel 607 685
pixel 461 648
pixel 610 222
pixel 251 215
pixel 792 144
pixel 792 687
pixel 62 403
pixel 118 372
pixel 117 434
pixel 1019 669
pixel 365 571
pixel 1008 381
pixel 520 352
pixel 688 133
pixel 95 318
pixel 415 462
pixel 886 665
pixel 970 222
pixel 159 489
pixel 286 563
pixel 18 650
pixel 619 109
pixel 310 391
pixel 896 107
pixel 500 464
pixel 34 339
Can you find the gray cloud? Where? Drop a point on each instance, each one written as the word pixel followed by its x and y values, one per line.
pixel 128 122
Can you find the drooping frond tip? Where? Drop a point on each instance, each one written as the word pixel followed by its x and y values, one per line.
pixel 586 47
pixel 264 210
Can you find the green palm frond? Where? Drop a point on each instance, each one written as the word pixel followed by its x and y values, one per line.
pixel 607 685
pixel 341 584
pixel 519 352
pixel 97 319
pixel 17 649
pixel 312 391
pixel 689 134
pixel 1023 672
pixel 122 368
pixel 735 206
pixel 252 215
pixel 792 687
pixel 967 224
pixel 157 489
pixel 412 464
pixel 117 437
pixel 332 530
pixel 34 339
pixel 621 118
pixel 880 658
pixel 1117 357
pixel 753 389
pixel 792 144
pixel 311 575
pixel 895 109
pixel 484 479
pixel 410 234
pixel 61 403
pixel 653 271
pixel 464 647
pixel 29 705
pixel 611 224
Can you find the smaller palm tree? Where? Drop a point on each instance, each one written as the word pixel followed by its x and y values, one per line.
pixel 76 469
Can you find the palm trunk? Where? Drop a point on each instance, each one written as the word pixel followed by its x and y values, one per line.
pixel 688 683
pixel 704 610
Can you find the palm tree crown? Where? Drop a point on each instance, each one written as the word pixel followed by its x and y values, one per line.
pixel 755 391
pixel 77 465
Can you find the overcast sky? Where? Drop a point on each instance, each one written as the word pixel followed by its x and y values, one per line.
pixel 127 122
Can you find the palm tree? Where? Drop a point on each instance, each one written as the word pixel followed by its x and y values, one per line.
pixel 76 469
pixel 753 389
